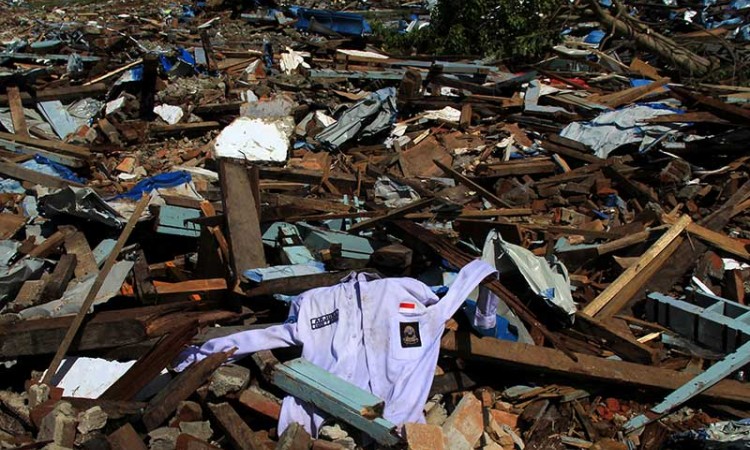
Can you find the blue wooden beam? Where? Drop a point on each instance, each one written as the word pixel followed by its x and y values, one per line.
pixel 337 397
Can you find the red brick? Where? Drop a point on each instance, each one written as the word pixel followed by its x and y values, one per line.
pixel 505 418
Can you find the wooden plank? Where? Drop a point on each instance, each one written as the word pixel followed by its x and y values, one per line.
pixel 208 210
pixel 624 344
pixel 76 244
pixel 341 399
pixel 16 171
pixel 53 146
pixel 727 111
pixel 297 285
pixel 188 442
pixel 60 278
pixel 685 256
pixel 624 374
pixel 191 286
pixel 629 95
pixel 240 436
pixel 151 364
pixel 10 224
pixel 466 181
pixel 91 295
pixel 20 127
pixel 174 220
pixel 142 281
pixel 571 153
pixel 627 278
pixel 126 438
pixel 112 73
pixel 50 245
pixel 192 127
pixel 179 389
pixel 392 214
pixel 720 240
pixel 242 218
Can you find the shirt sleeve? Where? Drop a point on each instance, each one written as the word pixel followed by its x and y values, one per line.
pixel 468 278
pixel 246 342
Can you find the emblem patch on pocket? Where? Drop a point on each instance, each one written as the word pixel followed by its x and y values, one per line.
pixel 410 334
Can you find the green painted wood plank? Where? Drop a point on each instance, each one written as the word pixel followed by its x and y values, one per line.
pixel 336 397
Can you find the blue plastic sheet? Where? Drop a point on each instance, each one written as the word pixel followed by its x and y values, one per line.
pixel 343 23
pixel 60 170
pixel 164 180
pixel 594 37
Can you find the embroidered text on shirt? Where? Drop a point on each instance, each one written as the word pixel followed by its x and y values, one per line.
pixel 410 334
pixel 325 320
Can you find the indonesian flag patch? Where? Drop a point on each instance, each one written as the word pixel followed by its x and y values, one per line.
pixel 407 307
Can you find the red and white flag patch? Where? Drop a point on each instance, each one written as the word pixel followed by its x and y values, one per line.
pixel 406 307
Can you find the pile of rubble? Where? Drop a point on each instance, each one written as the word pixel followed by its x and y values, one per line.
pixel 187 190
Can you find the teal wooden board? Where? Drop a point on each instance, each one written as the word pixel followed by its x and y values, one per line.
pixel 334 396
pixel 172 221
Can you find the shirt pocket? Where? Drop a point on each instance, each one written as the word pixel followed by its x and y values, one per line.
pixel 408 336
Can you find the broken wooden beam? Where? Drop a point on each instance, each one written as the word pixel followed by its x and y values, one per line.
pixel 588 368
pixel 489 196
pixel 16 112
pixel 240 436
pixel 18 172
pixel 337 397
pixel 241 212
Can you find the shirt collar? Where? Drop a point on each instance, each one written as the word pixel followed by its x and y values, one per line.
pixel 360 276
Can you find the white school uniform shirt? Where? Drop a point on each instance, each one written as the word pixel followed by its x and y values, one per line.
pixel 382 335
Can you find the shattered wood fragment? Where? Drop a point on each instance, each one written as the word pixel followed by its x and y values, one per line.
pixel 179 389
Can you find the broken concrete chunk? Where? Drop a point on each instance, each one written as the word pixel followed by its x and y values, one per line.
pixel 200 429
pixel 255 139
pixel 228 379
pixel 164 438
pixel 92 419
pixel 59 425
pixel 465 426
pixel 420 436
